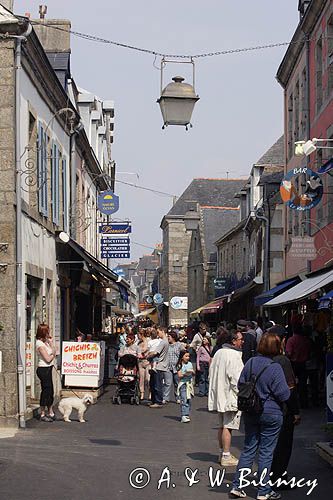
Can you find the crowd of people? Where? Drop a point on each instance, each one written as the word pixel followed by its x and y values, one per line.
pixel 248 371
pixel 236 358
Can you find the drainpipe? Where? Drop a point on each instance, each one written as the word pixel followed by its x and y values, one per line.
pixel 20 334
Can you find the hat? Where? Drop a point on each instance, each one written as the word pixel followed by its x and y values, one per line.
pixel 278 330
pixel 242 323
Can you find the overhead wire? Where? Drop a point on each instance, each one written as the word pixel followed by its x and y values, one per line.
pixel 156 53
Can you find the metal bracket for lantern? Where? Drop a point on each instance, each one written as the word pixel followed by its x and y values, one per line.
pixel 177 98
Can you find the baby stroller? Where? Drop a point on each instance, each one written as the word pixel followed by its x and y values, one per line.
pixel 128 382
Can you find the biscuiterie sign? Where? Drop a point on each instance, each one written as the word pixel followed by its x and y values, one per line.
pixel 80 358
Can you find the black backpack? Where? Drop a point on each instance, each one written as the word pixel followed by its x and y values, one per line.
pixel 248 398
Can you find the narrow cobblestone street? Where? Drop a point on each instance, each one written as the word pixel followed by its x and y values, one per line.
pixel 94 460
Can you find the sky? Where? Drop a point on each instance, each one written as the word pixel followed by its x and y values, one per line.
pixel 240 111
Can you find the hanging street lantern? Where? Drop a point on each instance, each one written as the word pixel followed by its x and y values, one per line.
pixel 177 100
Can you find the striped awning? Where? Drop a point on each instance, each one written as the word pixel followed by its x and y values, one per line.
pixel 210 308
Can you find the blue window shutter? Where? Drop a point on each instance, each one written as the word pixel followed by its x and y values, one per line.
pixel 57 185
pixel 44 175
pixel 40 167
pixel 53 146
pixel 64 194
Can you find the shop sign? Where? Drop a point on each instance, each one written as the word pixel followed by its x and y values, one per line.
pixel 110 254
pixel 301 200
pixel 28 362
pixel 179 302
pixel 80 358
pixel 303 247
pixel 116 228
pixel 108 202
pixel 329 387
pixel 220 286
pixel 158 298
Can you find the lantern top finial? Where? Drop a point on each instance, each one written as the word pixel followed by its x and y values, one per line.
pixel 179 89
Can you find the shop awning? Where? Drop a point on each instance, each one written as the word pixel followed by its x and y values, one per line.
pixel 240 292
pixel 142 314
pixel 302 289
pixel 274 292
pixel 120 312
pixel 90 260
pixel 210 308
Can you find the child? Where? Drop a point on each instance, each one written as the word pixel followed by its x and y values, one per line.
pixel 152 344
pixel 185 385
pixel 203 362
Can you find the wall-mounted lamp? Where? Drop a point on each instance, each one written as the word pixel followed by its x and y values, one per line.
pixel 64 237
pixel 308 147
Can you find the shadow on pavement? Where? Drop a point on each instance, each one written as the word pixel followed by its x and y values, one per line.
pixel 203 457
pixel 106 442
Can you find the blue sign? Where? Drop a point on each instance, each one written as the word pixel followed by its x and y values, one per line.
pixel 116 241
pixel 301 200
pixel 110 254
pixel 158 298
pixel 119 271
pixel 116 228
pixel 108 202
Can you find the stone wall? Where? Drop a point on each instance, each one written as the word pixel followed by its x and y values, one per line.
pixel 176 243
pixel 8 377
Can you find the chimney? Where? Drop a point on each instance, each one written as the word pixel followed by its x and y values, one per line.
pixel 302 6
pixel 53 39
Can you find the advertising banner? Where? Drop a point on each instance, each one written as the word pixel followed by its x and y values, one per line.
pixel 110 254
pixel 108 202
pixel 80 358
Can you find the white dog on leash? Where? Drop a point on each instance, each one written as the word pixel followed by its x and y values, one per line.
pixel 66 406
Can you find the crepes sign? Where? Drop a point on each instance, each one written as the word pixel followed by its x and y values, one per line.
pixel 80 358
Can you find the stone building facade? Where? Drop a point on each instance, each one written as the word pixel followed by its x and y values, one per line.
pixel 41 132
pixel 177 240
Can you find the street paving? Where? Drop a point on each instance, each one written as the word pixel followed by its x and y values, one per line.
pixel 94 460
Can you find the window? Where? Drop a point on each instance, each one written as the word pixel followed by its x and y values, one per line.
pixel 304 104
pixel 55 198
pixel 290 126
pixel 42 170
pixel 319 73
pixel 330 55
pixel 296 111
pixel 64 195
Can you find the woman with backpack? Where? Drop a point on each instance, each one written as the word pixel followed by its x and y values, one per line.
pixel 262 391
pixel 203 362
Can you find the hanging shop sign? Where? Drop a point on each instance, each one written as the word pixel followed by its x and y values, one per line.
pixel 108 202
pixel 178 302
pixel 329 387
pixel 110 254
pixel 220 286
pixel 109 244
pixel 303 247
pixel 119 271
pixel 312 194
pixel 158 298
pixel 116 228
pixel 148 299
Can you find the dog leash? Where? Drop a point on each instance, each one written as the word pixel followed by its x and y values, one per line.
pixel 68 389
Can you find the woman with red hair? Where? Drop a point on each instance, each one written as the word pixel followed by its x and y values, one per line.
pixel 46 353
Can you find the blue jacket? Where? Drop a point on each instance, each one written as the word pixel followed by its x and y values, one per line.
pixel 271 387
